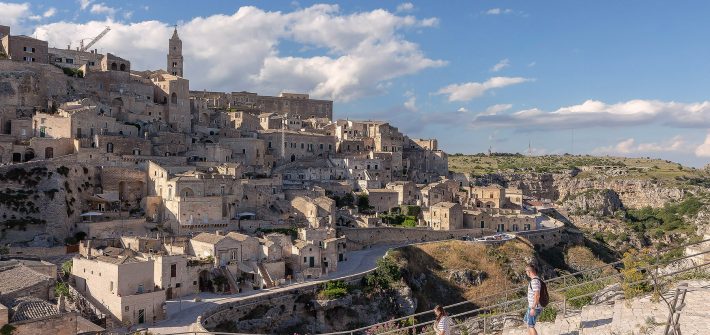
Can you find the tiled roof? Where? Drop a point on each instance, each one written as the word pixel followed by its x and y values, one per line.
pixel 18 277
pixel 208 238
pixel 30 309
pixel 238 236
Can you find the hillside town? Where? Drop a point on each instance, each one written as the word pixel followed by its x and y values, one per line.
pixel 163 191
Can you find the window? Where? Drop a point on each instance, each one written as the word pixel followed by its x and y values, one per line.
pixel 69 61
pixel 126 309
pixel 111 285
pixel 140 289
pixel 173 270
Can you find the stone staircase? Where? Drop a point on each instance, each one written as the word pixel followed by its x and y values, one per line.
pixel 265 275
pixel 632 317
pixel 233 288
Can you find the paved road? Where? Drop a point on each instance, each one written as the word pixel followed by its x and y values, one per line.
pixel 182 313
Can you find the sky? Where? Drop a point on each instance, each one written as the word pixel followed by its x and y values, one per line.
pixel 622 78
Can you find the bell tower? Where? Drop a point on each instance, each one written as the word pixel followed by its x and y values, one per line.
pixel 175 55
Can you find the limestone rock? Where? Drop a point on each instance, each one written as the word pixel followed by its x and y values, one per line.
pixel 595 202
pixel 608 294
pixel 467 277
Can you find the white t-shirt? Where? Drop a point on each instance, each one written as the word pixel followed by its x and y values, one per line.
pixel 532 288
pixel 444 325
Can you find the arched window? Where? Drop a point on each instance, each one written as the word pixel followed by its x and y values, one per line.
pixel 114 66
pixel 173 98
pixel 123 67
pixel 109 147
pixel 136 152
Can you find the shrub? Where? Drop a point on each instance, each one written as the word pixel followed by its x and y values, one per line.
pixel 634 261
pixel 66 267
pixel 548 314
pixel 334 290
pixel 386 274
pixel 61 289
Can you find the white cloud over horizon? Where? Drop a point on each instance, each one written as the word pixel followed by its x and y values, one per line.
pixel 502 64
pixel 362 50
pixel 498 11
pixel 471 90
pixel 631 146
pixel 703 150
pixel 594 113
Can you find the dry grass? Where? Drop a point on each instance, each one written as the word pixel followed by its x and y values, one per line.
pixel 437 259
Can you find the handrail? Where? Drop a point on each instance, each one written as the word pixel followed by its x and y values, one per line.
pixel 556 279
pixel 488 308
pixel 510 302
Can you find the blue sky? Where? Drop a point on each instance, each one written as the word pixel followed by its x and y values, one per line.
pixel 620 78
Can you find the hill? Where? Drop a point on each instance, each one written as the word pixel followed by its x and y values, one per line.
pixel 585 166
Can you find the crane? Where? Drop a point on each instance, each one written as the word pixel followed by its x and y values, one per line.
pixel 83 47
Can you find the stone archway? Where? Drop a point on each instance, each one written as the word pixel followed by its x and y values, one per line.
pixel 205 281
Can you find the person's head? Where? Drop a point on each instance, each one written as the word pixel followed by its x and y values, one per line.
pixel 531 270
pixel 439 312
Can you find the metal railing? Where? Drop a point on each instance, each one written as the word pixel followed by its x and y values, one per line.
pixel 509 307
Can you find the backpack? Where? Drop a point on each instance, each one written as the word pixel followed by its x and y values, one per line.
pixel 544 296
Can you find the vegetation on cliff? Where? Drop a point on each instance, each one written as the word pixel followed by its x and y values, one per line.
pixel 640 168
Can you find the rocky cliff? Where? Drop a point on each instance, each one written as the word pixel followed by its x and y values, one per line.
pixel 40 201
pixel 632 192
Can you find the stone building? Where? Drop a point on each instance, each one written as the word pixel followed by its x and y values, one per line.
pixel 317 251
pixel 444 216
pixel 289 146
pixel 407 192
pixel 122 280
pixel 22 48
pixel 175 60
pixel 75 59
pixel 382 199
pixel 294 104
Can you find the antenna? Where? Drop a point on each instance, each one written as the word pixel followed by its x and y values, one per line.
pixel 529 147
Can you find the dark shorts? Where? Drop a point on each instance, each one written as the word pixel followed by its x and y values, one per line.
pixel 531 320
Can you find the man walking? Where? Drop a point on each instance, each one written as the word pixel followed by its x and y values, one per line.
pixel 534 307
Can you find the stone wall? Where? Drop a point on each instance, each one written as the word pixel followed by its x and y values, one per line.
pixel 238 309
pixel 62 324
pixel 359 238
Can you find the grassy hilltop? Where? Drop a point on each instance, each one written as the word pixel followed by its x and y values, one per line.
pixel 642 168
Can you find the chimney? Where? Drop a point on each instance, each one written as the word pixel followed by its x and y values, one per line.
pixel 219 233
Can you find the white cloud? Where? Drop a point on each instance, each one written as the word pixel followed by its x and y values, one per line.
pixel 593 113
pixel 128 15
pixel 429 22
pixel 50 12
pixel 495 109
pixel 101 8
pixel 13 13
pixel 703 150
pixel 411 102
pixel 405 7
pixel 83 4
pixel 498 11
pixel 502 64
pixel 363 50
pixel 470 90
pixel 531 64
pixel 462 110
pixel 35 17
pixel 630 146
